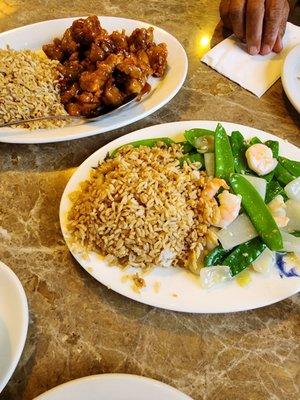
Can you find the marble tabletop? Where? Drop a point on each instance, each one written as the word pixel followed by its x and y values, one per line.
pixel 79 327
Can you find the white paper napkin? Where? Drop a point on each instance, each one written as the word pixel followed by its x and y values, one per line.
pixel 254 73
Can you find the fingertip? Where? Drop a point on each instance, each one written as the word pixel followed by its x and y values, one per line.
pixel 253 50
pixel 265 49
pixel 278 46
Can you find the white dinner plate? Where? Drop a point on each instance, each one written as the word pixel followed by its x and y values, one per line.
pixel 290 77
pixel 163 90
pixel 114 387
pixel 13 322
pixel 179 289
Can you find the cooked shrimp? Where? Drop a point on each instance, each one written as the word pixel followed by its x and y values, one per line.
pixel 212 187
pixel 260 159
pixel 277 208
pixel 230 204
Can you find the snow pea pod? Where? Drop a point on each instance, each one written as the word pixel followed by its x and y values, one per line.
pixel 269 176
pixel 239 147
pixel 282 174
pixel 254 140
pixel 244 255
pixel 192 158
pixel 223 154
pixel 274 189
pixel 146 143
pixel 215 257
pixel 292 166
pixel 257 211
pixel 186 147
pixel 274 146
pixel 193 134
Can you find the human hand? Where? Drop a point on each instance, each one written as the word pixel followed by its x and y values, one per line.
pixel 259 23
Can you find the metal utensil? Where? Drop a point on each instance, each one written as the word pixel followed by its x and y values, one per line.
pixel 105 112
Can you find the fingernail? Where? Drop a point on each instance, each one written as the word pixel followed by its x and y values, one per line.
pixel 253 50
pixel 266 49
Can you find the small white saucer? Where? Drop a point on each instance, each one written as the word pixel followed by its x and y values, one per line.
pixel 290 77
pixel 114 387
pixel 13 322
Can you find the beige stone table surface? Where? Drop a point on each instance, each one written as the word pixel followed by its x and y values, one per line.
pixel 77 326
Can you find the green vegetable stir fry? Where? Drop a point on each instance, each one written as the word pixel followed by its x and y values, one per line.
pixel 262 200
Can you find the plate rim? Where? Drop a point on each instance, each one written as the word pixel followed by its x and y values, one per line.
pixel 284 78
pixel 24 327
pixel 113 376
pixel 124 292
pixel 5 138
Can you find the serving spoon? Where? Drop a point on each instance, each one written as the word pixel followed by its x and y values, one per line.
pixel 105 112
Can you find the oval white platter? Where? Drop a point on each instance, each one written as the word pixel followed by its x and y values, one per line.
pixel 114 387
pixel 180 290
pixel 290 77
pixel 13 322
pixel 163 90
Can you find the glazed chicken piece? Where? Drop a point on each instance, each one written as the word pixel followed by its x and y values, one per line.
pixel 131 75
pixel 91 81
pixel 112 96
pixel 85 31
pixel 68 44
pixel 100 50
pixel 54 50
pixel 158 59
pixel 144 62
pixel 134 86
pixel 88 97
pixel 140 38
pixel 106 45
pixel 96 53
pixel 130 69
pixel 73 109
pixel 74 56
pixel 94 81
pixel 112 60
pixel 71 70
pixel 88 65
pixel 85 109
pixel 119 41
pixel 84 103
pixel 89 109
pixel 69 94
pixel 89 103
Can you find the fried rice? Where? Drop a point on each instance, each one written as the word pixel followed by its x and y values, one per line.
pixel 142 209
pixel 29 88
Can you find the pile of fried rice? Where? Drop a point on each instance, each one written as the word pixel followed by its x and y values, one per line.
pixel 29 88
pixel 141 208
